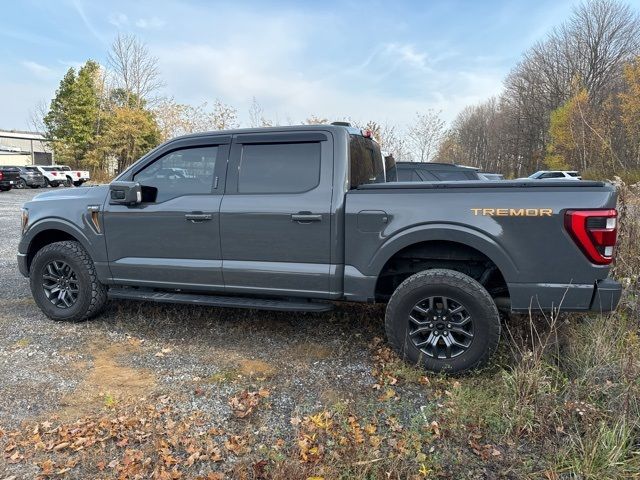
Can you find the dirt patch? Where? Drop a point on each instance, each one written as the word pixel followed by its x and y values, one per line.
pixel 107 381
pixel 256 368
pixel 310 352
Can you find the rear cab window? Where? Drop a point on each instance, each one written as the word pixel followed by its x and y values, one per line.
pixel 365 162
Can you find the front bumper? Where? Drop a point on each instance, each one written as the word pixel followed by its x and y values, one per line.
pixel 601 296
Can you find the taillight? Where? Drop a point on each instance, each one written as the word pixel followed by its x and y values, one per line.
pixel 78 174
pixel 595 232
pixel 1 175
pixel 55 174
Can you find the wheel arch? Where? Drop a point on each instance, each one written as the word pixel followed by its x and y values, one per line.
pixel 46 233
pixel 441 246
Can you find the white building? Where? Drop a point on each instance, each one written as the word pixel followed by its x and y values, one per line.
pixel 24 148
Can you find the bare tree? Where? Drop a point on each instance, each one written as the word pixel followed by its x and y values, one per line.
pixel 424 135
pixel 256 115
pixel 175 119
pixel 134 69
pixel 315 120
pixel 390 140
pixel 36 116
pixel 223 116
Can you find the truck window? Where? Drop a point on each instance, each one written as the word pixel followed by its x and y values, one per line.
pixel 279 168
pixel 366 162
pixel 552 175
pixel 454 175
pixel 188 171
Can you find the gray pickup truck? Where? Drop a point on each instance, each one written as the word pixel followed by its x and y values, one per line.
pixel 293 218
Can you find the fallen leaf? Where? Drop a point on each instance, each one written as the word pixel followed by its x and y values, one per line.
pixel 61 446
pixel 387 395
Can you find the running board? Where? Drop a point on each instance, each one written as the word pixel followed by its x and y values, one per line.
pixel 219 301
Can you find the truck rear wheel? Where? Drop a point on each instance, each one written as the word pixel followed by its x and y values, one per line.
pixel 64 282
pixel 443 320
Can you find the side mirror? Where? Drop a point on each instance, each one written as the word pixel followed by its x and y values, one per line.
pixel 125 193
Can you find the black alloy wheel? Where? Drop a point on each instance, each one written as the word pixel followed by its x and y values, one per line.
pixel 60 284
pixel 440 327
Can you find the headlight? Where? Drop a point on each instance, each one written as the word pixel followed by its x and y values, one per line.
pixel 25 219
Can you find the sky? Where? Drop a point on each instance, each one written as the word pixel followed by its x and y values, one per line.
pixel 382 61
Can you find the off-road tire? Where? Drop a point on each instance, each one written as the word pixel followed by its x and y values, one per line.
pixel 92 295
pixel 458 287
pixel 68 182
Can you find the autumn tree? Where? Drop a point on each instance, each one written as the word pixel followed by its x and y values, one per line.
pixel 630 111
pixel 129 134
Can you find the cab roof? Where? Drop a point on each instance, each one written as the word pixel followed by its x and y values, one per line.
pixel 288 128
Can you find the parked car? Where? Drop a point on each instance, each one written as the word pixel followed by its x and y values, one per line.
pixel 555 175
pixel 9 177
pixel 434 172
pixel 292 218
pixel 491 176
pixel 74 177
pixel 52 176
pixel 30 177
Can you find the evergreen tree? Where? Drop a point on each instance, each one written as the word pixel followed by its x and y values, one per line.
pixel 71 122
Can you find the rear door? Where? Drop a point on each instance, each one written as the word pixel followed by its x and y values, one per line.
pixel 275 215
pixel 172 238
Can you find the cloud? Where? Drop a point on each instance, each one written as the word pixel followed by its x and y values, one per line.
pixel 118 20
pixel 38 69
pixel 407 54
pixel 150 23
pixel 79 8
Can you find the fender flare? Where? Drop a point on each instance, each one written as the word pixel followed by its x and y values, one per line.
pixel 448 233
pixel 56 224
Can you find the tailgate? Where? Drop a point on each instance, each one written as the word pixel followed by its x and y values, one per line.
pixel 11 174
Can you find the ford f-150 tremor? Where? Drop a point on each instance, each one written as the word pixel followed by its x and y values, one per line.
pixel 293 218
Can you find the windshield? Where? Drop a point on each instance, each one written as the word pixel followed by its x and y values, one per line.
pixel 366 162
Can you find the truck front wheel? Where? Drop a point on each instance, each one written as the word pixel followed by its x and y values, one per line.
pixel 443 320
pixel 64 283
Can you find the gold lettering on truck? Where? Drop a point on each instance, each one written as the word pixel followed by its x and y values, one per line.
pixel 513 212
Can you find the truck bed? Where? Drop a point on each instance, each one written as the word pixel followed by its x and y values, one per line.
pixel 519 225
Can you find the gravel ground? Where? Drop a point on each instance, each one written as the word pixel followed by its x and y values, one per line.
pixel 139 351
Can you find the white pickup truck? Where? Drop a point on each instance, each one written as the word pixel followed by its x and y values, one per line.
pixel 75 177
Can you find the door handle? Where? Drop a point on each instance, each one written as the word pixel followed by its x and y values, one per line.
pixel 197 217
pixel 306 217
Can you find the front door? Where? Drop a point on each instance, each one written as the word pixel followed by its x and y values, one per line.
pixel 275 218
pixel 172 238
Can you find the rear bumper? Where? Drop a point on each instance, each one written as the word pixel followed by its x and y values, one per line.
pixel 606 296
pixel 603 296
pixel 22 264
pixel 38 182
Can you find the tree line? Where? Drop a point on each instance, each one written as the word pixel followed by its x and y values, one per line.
pixel 572 102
